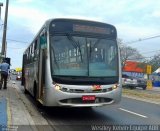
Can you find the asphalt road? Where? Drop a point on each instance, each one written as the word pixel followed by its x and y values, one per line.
pixel 127 112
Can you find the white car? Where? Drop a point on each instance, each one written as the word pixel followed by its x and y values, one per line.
pixel 129 82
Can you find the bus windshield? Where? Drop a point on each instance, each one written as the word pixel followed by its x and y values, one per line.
pixel 83 56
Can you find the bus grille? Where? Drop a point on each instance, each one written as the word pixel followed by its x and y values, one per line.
pixel 86 91
pixel 80 101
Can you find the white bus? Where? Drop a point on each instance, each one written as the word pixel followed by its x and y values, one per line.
pixel 73 63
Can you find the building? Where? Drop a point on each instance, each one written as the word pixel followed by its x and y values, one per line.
pixel 135 69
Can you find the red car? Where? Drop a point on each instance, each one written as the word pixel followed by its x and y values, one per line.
pixel 19 76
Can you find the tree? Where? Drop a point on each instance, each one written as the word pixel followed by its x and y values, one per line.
pixel 155 62
pixel 129 53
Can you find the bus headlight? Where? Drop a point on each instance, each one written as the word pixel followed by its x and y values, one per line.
pixel 61 88
pixel 115 86
pixel 57 87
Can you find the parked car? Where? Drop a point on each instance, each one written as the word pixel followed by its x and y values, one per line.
pixel 129 82
pixel 142 83
pixel 133 82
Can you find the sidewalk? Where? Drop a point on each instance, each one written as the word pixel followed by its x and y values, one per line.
pixel 156 89
pixel 3 108
pixel 3 113
pixel 12 110
pixel 17 112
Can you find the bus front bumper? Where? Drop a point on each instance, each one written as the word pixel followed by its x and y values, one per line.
pixel 59 98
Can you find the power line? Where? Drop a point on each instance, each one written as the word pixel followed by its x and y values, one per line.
pixel 17 41
pixel 147 52
pixel 142 39
pixel 14 48
pixel 143 58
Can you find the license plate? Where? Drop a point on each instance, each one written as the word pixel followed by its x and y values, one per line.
pixel 88 98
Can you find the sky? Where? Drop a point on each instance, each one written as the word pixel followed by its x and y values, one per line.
pixel 134 20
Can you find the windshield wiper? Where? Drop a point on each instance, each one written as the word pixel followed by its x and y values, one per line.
pixel 54 57
pixel 75 44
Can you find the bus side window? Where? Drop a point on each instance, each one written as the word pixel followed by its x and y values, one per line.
pixel 43 41
pixel 35 45
pixel 27 55
pixel 34 50
pixel 25 59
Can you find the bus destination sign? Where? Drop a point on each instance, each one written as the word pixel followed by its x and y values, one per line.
pixel 91 29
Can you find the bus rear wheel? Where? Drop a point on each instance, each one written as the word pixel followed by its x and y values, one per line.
pixel 35 91
pixel 25 90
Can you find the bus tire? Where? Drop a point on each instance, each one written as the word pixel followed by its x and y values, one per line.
pixel 25 90
pixel 35 91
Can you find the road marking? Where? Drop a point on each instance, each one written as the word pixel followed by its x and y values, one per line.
pixel 133 113
pixel 9 113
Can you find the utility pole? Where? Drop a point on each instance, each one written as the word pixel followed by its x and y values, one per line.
pixel 5 50
pixel 4 30
pixel 1 4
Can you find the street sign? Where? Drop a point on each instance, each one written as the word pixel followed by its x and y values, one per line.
pixel 149 69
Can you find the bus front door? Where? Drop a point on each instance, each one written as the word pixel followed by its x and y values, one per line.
pixel 41 78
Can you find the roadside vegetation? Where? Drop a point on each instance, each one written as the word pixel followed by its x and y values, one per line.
pixel 152 96
pixel 130 53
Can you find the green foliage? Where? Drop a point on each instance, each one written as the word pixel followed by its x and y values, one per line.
pixel 155 62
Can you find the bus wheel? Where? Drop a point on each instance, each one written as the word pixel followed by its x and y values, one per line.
pixel 25 90
pixel 35 91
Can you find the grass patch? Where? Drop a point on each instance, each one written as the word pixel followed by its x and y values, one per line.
pixel 142 94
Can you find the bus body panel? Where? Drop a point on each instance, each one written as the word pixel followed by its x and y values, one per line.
pixel 31 76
